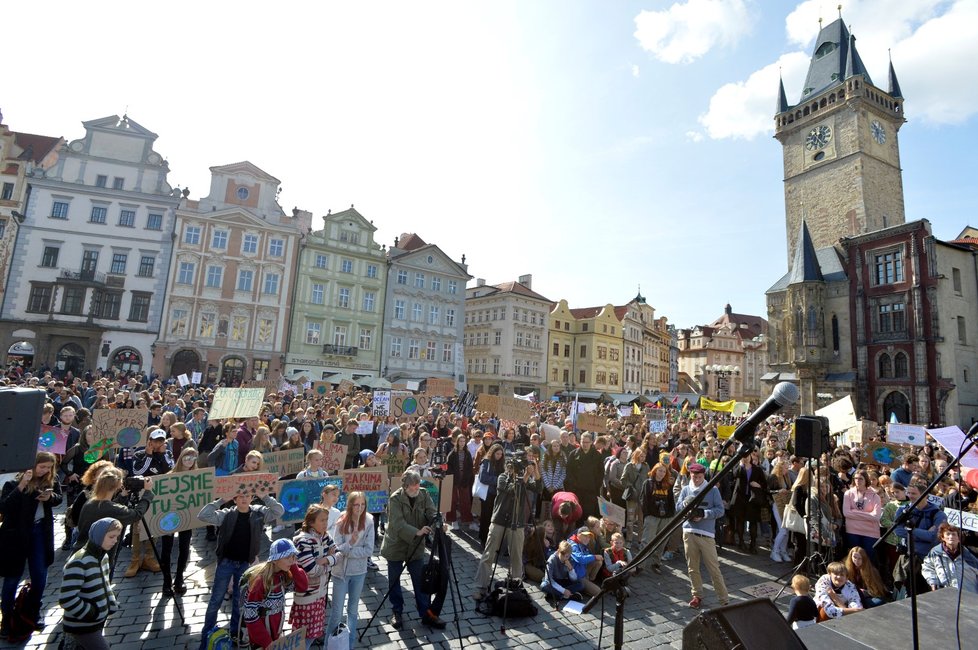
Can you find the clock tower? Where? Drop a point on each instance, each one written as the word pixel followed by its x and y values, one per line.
pixel 842 172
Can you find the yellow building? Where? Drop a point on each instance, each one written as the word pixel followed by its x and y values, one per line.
pixel 585 349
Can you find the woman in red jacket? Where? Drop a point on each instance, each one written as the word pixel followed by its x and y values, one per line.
pixel 264 608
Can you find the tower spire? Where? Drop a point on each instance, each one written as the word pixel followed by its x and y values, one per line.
pixel 894 86
pixel 782 98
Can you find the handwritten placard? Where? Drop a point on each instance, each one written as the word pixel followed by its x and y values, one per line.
pixel 321 388
pixel 488 403
pixel 252 484
pixel 346 387
pixel 906 434
pixel 381 406
pixel 880 453
pixel 968 522
pixel 298 494
pixel 440 387
pixel 294 641
pixel 120 427
pixel 266 385
pixel 591 422
pixel 334 456
pixel 550 432
pixel 236 403
pixel 365 427
pixel 407 404
pixel 372 482
pixel 285 462
pixel 612 511
pixel 52 439
pixel 179 498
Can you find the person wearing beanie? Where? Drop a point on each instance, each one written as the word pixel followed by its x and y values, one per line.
pixel 264 606
pixel 86 594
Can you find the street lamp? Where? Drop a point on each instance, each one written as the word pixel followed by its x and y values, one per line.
pixel 723 373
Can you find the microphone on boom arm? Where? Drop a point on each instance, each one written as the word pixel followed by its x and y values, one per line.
pixel 784 394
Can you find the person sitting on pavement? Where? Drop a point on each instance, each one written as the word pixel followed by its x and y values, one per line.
pixel 562 580
pixel 835 594
pixel 946 562
pixel 587 563
pixel 540 545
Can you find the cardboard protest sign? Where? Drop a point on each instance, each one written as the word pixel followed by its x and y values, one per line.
pixel 372 482
pixel 881 453
pixel 591 422
pixel 334 456
pixel 381 407
pixel 613 512
pixel 52 439
pixel 406 404
pixel 446 488
pixel 321 388
pixel 120 427
pixel 294 641
pixel 395 464
pixel 740 409
pixel 488 403
pixel 285 462
pixel 841 414
pixel 267 385
pixel 969 521
pixel 952 439
pixel 440 387
pixel 512 408
pixel 179 498
pixel 346 387
pixel 298 494
pixel 634 420
pixel 906 434
pixel 365 427
pixel 253 484
pixel 550 432
pixel 236 403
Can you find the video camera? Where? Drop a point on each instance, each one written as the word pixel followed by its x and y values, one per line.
pixel 517 460
pixel 133 484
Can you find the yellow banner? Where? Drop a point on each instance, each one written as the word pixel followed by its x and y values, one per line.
pixel 724 431
pixel 710 405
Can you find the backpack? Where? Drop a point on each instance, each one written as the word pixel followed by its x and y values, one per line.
pixel 219 639
pixel 519 604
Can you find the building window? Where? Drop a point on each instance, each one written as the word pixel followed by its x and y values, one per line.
pixel 600 377
pixel 419 280
pixel 414 348
pixel 434 315
pixel 246 280
pixel 249 244
pixel 447 354
pixel 556 349
pixel 271 284
pixel 369 299
pixel 39 301
pixel 101 180
pixel 191 235
pixel 891 318
pixel 215 274
pixel 186 273
pixel 178 323
pixel 581 377
pixel 956 279
pixel 346 266
pixel 519 339
pixel 614 354
pixel 74 298
pixel 343 299
pixel 313 333
pixel 371 270
pixel 8 192
pixel 118 183
pixel 613 378
pixel 219 239
pixel 566 376
pixel 450 318
pixel 207 326
pixel 366 338
pixel 118 266
pixel 89 264
pixel 321 261
pixel 901 368
pixel 602 353
pixel 339 335
pixel 498 337
pixel 318 294
pixel 452 287
pixel 567 351
pixel 583 351
pixel 885 366
pixel 276 247
pixel 127 218
pixel 50 257
pixel 106 304
pixel 154 222
pixel 99 213
pixel 416 312
pixel 889 268
pixel 962 331
pixel 399 309
pixel 430 351
pixel 402 277
pixel 435 283
pixel 139 307
pixel 59 210
pixel 350 236
pixel 835 333
pixel 396 346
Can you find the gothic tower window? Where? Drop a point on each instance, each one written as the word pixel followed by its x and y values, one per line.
pixel 812 329
pixel 799 327
pixel 885 366
pixel 835 333
pixel 900 366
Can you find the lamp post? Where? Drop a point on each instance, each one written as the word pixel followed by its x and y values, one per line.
pixel 723 373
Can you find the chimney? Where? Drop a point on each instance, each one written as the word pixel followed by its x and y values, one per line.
pixel 527 280
pixel 480 282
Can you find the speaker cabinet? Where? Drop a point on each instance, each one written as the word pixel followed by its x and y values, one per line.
pixel 744 626
pixel 811 436
pixel 20 425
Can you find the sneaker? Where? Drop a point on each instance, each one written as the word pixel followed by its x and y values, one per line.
pixel 455 525
pixel 776 557
pixel 474 527
pixel 396 621
pixel 696 602
pixel 431 620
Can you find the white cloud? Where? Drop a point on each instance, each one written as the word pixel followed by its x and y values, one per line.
pixel 635 71
pixel 745 109
pixel 694 136
pixel 933 49
pixel 686 31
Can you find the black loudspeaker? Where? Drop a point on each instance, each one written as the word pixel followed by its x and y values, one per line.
pixel 744 626
pixel 20 426
pixel 811 436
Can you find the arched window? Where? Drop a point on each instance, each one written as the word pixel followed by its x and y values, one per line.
pixel 232 371
pixel 900 366
pixel 812 337
pixel 799 327
pixel 127 360
pixel 885 366
pixel 835 333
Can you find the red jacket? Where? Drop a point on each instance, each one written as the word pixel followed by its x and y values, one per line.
pixel 561 497
pixel 265 613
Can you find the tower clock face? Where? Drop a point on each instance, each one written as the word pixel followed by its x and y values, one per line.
pixel 818 137
pixel 879 132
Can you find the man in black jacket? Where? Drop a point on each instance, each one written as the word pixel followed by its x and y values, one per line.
pixel 585 474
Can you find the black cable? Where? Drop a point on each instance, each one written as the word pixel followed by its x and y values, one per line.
pixel 601 627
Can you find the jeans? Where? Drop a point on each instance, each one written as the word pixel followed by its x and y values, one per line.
pixel 38 569
pixel 780 544
pixel 349 588
pixel 227 570
pixel 865 542
pixel 414 567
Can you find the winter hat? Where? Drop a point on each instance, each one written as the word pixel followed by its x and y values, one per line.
pixel 291 431
pixel 365 454
pixel 281 548
pixel 98 530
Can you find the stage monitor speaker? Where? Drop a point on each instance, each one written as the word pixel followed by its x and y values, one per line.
pixel 20 426
pixel 811 436
pixel 744 626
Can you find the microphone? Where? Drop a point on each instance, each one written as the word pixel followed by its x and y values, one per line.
pixel 784 394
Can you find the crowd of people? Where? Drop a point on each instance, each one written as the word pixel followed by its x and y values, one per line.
pixel 528 492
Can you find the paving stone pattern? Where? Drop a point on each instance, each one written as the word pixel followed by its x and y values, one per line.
pixel 655 613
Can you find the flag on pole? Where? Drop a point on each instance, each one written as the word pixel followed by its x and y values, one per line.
pixel 675 400
pixel 575 411
pixel 635 409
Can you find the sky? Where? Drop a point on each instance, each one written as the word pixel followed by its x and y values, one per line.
pixel 599 146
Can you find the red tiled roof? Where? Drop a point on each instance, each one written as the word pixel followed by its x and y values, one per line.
pixel 966 241
pixel 621 311
pixel 409 241
pixel 39 146
pixel 755 324
pixel 585 312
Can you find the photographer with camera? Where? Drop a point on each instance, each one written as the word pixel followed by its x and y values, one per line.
pixel 152 460
pixel 510 513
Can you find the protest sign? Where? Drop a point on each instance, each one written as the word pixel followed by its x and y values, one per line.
pixel 550 432
pixel 283 463
pixel 434 489
pixel 381 407
pixel 267 385
pixel 405 403
pixel 591 422
pixel 722 407
pixel 740 409
pixel 195 377
pixel 969 521
pixel 612 511
pixel 120 427
pixel 634 420
pixel 724 431
pixel 445 493
pixel 334 456
pixel 371 481
pixel 394 463
pixel 412 385
pixel 236 403
pixel 764 590
pixel 906 434
pixel 512 408
pixel 52 439
pixel 488 403
pixel 953 440
pixel 294 641
pixel 321 388
pixel 841 414
pixel 183 380
pixel 346 387
pixel 179 498
pixel 365 427
pixel 253 484
pixel 881 453
pixel 440 387
pixel 297 495
pixel 658 426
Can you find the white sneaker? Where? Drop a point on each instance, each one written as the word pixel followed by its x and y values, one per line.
pixel 455 525
pixel 785 557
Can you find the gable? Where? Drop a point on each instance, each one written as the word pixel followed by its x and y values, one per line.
pixel 431 259
pixel 247 168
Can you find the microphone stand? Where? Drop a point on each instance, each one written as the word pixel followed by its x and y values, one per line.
pixel 971 438
pixel 618 582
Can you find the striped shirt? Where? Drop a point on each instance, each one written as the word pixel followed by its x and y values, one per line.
pixel 86 595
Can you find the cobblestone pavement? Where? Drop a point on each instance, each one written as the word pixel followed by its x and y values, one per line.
pixel 655 613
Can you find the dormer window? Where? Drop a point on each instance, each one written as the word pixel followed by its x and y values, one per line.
pixel 242 193
pixel 823 49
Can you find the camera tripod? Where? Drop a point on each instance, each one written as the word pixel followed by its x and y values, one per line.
pixel 159 560
pixel 515 527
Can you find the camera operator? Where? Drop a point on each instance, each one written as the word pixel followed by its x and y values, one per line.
pixel 510 513
pixel 152 460
pixel 409 510
pixel 108 500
